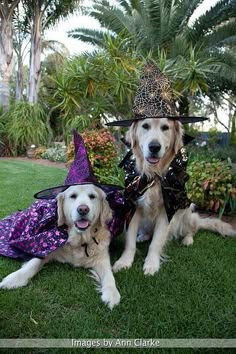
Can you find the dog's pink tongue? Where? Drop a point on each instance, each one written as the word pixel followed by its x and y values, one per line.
pixel 153 160
pixel 82 224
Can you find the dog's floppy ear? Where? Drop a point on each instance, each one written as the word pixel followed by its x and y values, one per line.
pixel 131 135
pixel 60 212
pixel 179 132
pixel 106 213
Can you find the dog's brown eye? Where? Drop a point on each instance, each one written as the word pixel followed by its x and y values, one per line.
pixel 146 126
pixel 73 196
pixel 92 196
pixel 165 127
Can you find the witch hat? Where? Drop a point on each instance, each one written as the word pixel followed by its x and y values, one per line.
pixel 154 99
pixel 80 173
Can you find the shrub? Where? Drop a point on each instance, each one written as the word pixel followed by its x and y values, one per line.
pixel 101 151
pixel 208 153
pixel 226 152
pixel 26 125
pixel 213 137
pixel 212 185
pixel 39 152
pixel 55 154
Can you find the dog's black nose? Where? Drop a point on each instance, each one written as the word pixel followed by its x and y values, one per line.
pixel 83 209
pixel 154 147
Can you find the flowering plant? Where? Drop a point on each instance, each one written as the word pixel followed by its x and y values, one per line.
pixel 100 145
pixel 55 154
pixel 39 152
pixel 212 185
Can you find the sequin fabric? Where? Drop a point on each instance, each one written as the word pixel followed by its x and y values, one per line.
pixel 172 183
pixel 33 232
pixel 154 95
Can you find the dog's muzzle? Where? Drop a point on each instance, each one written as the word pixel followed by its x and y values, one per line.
pixel 82 223
pixel 154 147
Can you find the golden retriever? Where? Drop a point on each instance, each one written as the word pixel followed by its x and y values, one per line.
pixel 154 143
pixel 85 210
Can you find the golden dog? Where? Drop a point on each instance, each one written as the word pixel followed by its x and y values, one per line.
pixel 154 143
pixel 85 210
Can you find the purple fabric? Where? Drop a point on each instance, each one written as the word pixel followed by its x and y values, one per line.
pixel 120 209
pixel 32 232
pixel 80 170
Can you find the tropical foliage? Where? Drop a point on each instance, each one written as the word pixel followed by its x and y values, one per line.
pixel 93 87
pixel 212 185
pixel 198 52
pixel 24 124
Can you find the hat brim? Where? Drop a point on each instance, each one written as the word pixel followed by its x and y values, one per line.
pixel 187 139
pixel 182 119
pixel 51 193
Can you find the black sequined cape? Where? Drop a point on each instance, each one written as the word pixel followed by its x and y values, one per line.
pixel 172 184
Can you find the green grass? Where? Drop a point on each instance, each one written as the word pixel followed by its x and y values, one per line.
pixel 193 295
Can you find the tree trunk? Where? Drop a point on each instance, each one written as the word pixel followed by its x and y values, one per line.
pixel 6 61
pixel 35 57
pixel 19 76
pixel 233 130
pixel 184 106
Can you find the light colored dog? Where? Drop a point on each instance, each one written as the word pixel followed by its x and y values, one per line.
pixel 85 210
pixel 154 143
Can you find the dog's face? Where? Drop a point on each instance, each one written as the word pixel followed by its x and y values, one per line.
pixel 153 139
pixel 82 206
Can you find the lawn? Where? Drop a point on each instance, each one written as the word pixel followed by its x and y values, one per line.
pixel 193 295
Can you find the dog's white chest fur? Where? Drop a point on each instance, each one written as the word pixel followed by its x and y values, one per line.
pixel 80 255
pixel 151 203
pixel 73 255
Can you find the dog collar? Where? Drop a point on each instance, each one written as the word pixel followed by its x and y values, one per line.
pixel 90 245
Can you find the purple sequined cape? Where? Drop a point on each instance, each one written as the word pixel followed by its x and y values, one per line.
pixel 33 232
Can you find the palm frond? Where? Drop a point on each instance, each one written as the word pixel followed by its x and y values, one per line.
pixel 126 6
pixel 111 17
pixel 227 65
pixel 221 35
pixel 95 37
pixel 185 10
pixel 223 11
pixel 55 46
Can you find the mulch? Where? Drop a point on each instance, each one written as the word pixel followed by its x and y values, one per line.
pixel 230 219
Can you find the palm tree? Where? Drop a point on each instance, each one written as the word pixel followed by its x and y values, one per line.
pixel 154 24
pixel 93 86
pixel 195 54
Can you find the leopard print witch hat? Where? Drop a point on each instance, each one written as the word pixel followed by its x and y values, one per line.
pixel 154 99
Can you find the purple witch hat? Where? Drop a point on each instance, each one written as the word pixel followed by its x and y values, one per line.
pixel 80 173
pixel 34 232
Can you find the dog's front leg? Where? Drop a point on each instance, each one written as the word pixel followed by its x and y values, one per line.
pixel 160 235
pixel 22 276
pixel 127 258
pixel 110 294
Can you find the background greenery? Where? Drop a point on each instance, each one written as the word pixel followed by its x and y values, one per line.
pixel 193 295
pixel 84 91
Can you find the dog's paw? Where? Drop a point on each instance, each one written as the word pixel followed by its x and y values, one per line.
pixel 122 263
pixel 151 266
pixel 111 297
pixel 13 281
pixel 187 241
